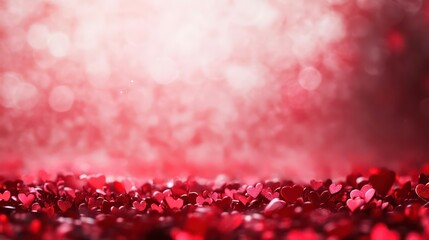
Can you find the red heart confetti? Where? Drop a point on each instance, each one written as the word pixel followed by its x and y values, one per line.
pixel 208 208
pixel 291 194
pixel 335 188
pixel 64 205
pixel 254 191
pixel 423 191
pixel 139 206
pixel 97 181
pixel 26 200
pixel 353 204
pixel 174 203
pixel 5 196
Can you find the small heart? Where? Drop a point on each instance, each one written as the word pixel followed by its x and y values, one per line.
pixel 167 192
pixel 70 192
pixel 335 188
pixel 268 194
pixel 274 206
pixel 201 200
pixel 139 206
pixel 51 188
pixel 97 181
pixel 26 200
pixel 157 208
pixel 356 194
pixel 369 195
pixel 224 203
pixel 5 196
pixel 64 205
pixel 174 203
pixel 316 184
pixel 243 199
pixel 291 194
pixel 254 191
pixel 35 207
pixel 423 191
pixel 353 204
pixel 158 196
pixel 229 192
pixel 382 181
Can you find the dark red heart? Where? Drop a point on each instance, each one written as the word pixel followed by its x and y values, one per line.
pixel 291 194
pixel 423 191
pixel 64 205
pixel 382 181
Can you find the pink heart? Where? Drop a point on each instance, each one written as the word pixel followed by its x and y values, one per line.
pixel 353 204
pixel 229 192
pixel 140 206
pixel 97 182
pixel 365 188
pixel 156 208
pixel 5 196
pixel 215 196
pixel 335 188
pixel 254 191
pixel 64 205
pixel 356 194
pixel 201 200
pixel 26 200
pixel 174 203
pixel 369 195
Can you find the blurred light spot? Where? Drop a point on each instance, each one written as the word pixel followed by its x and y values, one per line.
pixel 163 70
pixel 396 41
pixel 15 93
pixel 309 78
pixel 242 77
pixel 58 44
pixel 37 36
pixel 61 99
pixel 369 5
pixel 411 6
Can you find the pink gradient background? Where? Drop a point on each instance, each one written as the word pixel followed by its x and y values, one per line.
pixel 244 88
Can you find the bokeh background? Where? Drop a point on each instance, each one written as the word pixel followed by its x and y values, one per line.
pixel 239 87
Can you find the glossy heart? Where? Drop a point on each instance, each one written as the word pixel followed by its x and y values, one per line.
pixel 26 200
pixel 254 191
pixel 139 206
pixel 335 188
pixel 174 203
pixel 353 204
pixel 291 194
pixel 5 196
pixel 64 205
pixel 423 191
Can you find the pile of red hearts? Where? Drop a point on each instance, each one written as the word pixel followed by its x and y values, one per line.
pixel 380 205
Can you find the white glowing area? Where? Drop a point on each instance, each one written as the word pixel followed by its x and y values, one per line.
pixel 168 83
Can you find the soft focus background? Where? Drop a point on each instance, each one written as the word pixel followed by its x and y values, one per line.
pixel 286 88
